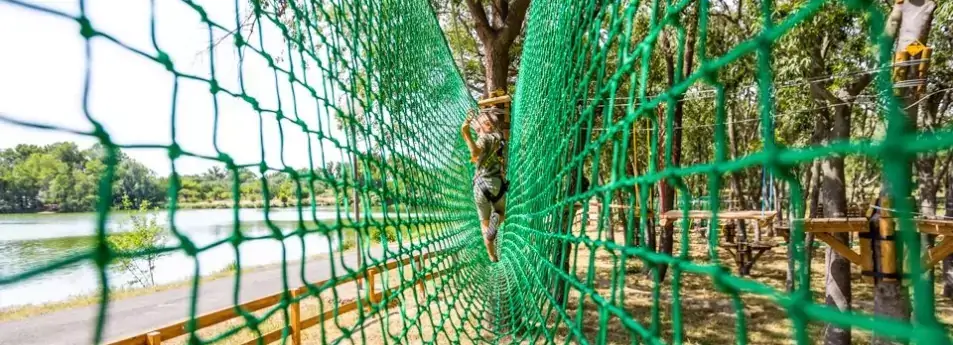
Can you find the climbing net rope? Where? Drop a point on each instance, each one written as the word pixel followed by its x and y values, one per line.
pixel 591 85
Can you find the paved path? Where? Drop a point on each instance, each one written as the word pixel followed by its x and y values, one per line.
pixel 132 316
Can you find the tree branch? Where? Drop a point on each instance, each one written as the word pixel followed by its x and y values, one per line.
pixel 462 22
pixel 859 85
pixel 483 28
pixel 821 92
pixel 474 88
pixel 514 20
pixel 945 167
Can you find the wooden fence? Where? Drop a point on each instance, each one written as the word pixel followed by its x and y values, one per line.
pixel 156 336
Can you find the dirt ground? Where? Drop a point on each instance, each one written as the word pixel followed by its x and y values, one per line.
pixel 452 310
pixel 708 316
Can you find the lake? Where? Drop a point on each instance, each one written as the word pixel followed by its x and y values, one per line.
pixel 35 240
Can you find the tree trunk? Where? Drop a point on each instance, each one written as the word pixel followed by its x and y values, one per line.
pixel 735 178
pixel 667 192
pixel 496 33
pixel 562 252
pixel 677 68
pixel 834 200
pixel 814 196
pixel 496 62
pixel 890 298
pixel 948 261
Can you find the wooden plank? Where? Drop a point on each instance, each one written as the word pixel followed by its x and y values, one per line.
pixel 935 226
pixel 141 339
pixel 495 100
pixel 832 225
pixel 839 247
pixel 938 252
pixel 154 338
pixel 724 215
pixel 221 315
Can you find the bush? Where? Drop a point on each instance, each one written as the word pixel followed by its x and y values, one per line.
pixel 388 234
pixel 144 237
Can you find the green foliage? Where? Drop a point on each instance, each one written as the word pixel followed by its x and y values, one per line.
pixel 141 235
pixel 383 234
pixel 61 178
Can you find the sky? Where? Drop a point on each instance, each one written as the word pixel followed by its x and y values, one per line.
pixel 42 82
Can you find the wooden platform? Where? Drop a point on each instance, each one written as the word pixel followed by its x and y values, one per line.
pixel 723 215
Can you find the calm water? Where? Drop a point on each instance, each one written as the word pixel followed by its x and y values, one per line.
pixel 31 241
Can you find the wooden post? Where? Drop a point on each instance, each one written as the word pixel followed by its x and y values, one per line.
pixel 295 317
pixel 357 218
pixel 866 256
pixel 420 267
pixel 371 285
pixel 154 338
pixel 888 248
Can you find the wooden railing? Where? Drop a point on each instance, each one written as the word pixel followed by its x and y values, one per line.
pixel 156 336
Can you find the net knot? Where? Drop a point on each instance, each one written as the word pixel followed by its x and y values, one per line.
pixel 252 101
pixel 85 27
pixel 229 162
pixel 164 59
pixel 175 151
pixel 710 73
pixel 239 40
pixel 236 239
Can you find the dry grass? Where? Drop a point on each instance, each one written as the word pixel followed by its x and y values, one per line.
pixel 708 316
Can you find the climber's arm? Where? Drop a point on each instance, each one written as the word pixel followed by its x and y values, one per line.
pixel 474 148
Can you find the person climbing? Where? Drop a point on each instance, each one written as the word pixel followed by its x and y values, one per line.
pixel 489 186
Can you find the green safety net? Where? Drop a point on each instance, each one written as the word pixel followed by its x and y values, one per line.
pixel 388 81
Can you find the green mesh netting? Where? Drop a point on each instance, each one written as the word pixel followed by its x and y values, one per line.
pixel 557 282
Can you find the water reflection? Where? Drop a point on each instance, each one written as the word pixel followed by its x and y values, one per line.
pixel 30 242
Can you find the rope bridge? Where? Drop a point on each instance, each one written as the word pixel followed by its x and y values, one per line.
pixel 373 83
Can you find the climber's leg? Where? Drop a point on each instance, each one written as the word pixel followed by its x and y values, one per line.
pixel 489 238
pixel 485 210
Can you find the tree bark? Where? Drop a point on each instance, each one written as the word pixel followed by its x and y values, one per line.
pixel 948 261
pixel 675 73
pixel 890 297
pixel 562 251
pixel 497 34
pixel 496 63
pixel 834 198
